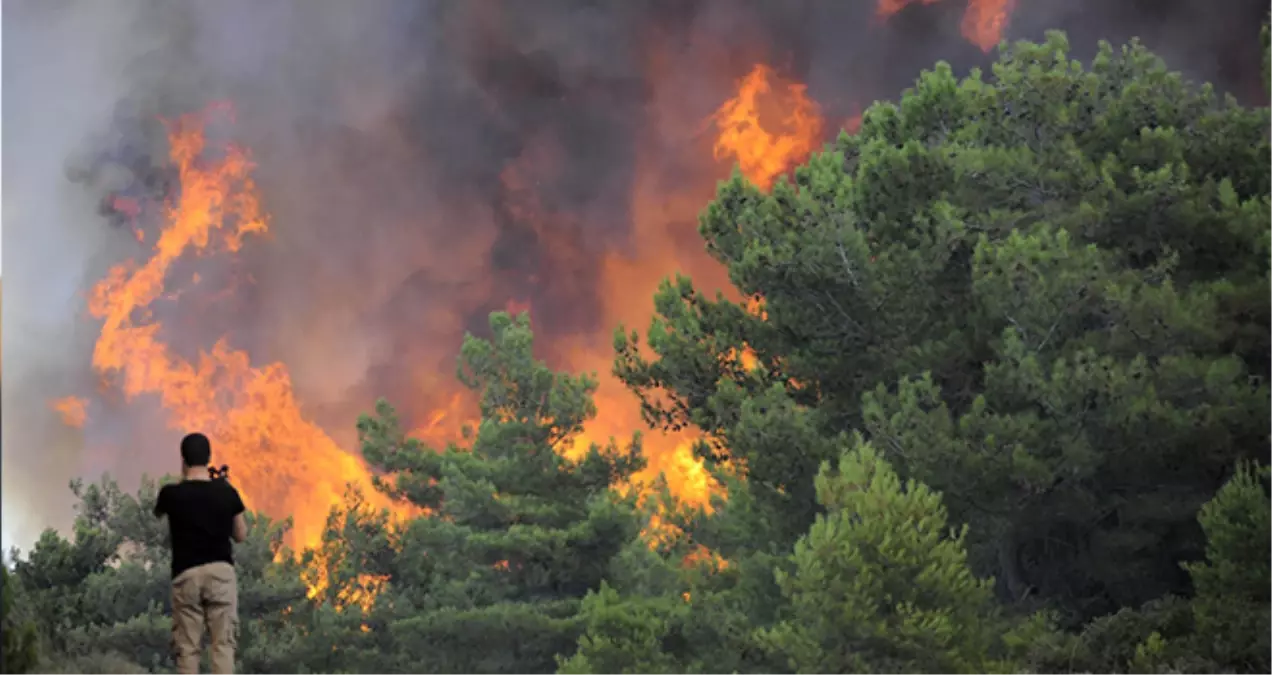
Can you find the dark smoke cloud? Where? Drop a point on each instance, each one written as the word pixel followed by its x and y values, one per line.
pixel 384 130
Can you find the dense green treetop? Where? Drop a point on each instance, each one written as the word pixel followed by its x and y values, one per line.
pixel 1042 290
pixel 517 533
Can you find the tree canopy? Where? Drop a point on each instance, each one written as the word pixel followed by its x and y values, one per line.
pixel 1043 293
pixel 995 399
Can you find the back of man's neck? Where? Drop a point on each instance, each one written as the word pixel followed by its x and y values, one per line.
pixel 200 473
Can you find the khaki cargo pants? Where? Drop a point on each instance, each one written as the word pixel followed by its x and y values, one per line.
pixel 206 595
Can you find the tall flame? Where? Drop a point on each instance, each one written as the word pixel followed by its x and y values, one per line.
pixel 282 463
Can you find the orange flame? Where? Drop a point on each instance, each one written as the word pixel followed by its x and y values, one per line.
pixel 762 154
pixel 361 593
pixel 74 410
pixel 983 22
pixel 887 8
pixel 627 286
pixel 285 464
pixel 437 429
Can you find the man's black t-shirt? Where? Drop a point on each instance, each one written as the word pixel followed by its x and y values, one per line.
pixel 201 521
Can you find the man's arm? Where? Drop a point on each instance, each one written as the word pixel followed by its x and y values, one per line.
pixel 161 507
pixel 239 533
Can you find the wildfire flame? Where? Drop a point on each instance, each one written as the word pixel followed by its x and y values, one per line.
pixel 436 428
pixel 283 463
pixel 762 154
pixel 628 282
pixel 983 22
pixel 887 8
pixel 74 410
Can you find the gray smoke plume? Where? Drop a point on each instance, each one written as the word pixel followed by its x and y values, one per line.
pixel 384 131
pixel 63 75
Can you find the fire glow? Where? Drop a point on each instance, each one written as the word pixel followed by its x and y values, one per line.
pixel 983 21
pixel 284 463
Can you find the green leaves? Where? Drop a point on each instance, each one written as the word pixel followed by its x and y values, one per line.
pixel 516 535
pixel 1043 291
pixel 20 647
pixel 1233 583
pixel 881 583
pixel 626 636
pixel 515 389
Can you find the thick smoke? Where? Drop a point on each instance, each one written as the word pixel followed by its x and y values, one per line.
pixel 63 75
pixel 424 163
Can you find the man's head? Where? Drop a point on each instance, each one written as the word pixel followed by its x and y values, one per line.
pixel 196 450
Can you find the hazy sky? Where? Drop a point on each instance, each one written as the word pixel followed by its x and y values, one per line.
pixel 1 152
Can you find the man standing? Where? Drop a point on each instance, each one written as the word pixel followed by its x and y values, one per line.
pixel 203 516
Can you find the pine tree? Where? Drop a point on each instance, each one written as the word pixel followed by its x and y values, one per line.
pixel 1041 290
pixel 99 598
pixel 1232 609
pixel 880 583
pixel 626 635
pixel 20 655
pixel 518 534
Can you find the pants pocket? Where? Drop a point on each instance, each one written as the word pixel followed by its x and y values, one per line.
pixel 220 600
pixel 185 591
pixel 220 587
pixel 187 625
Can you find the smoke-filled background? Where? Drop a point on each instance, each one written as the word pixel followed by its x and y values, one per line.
pixel 421 164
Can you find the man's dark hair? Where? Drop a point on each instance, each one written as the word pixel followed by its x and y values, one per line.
pixel 196 450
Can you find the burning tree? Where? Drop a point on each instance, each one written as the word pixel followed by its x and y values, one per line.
pixel 1043 293
pixel 517 534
